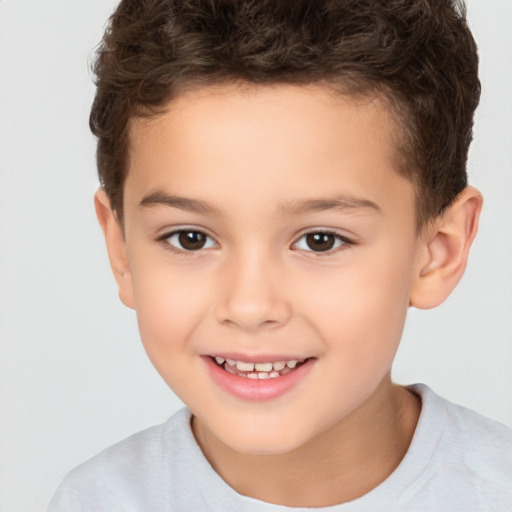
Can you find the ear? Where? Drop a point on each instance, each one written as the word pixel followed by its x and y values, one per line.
pixel 116 247
pixel 445 249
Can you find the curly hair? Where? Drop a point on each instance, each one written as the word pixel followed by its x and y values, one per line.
pixel 418 55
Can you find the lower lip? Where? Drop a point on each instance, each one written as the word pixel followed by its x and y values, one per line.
pixel 257 389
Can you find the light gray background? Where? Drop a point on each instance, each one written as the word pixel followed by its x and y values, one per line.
pixel 73 375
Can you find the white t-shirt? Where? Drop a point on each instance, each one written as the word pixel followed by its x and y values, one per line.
pixel 458 461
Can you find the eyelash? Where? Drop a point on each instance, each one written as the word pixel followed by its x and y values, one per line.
pixel 344 242
pixel 182 252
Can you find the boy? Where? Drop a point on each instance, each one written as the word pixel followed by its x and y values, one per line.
pixel 281 181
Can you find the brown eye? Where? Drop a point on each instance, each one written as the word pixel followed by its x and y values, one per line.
pixel 320 241
pixel 190 240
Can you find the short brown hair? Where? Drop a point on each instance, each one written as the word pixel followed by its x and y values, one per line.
pixel 419 55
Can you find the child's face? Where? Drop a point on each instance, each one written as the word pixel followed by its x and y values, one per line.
pixel 221 195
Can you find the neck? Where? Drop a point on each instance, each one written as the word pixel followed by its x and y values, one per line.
pixel 341 464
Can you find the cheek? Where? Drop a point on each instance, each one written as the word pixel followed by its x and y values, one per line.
pixel 170 304
pixel 361 311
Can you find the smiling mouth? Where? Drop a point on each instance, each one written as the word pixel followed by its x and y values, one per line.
pixel 261 371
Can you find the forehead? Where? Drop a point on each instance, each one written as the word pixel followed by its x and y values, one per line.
pixel 272 140
pixel 247 107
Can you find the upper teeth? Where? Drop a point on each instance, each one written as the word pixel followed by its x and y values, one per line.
pixel 244 367
pixel 259 367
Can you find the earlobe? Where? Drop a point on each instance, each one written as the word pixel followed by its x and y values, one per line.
pixel 445 250
pixel 116 247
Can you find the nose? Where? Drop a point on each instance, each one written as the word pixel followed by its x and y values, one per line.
pixel 252 295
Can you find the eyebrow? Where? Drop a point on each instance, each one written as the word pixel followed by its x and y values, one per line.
pixel 183 203
pixel 296 207
pixel 340 202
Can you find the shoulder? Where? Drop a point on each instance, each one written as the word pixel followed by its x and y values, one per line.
pixel 469 452
pixel 129 472
pixel 474 433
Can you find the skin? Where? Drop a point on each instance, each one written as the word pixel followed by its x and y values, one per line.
pixel 257 289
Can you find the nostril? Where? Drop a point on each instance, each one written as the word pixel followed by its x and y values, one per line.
pixel 250 298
